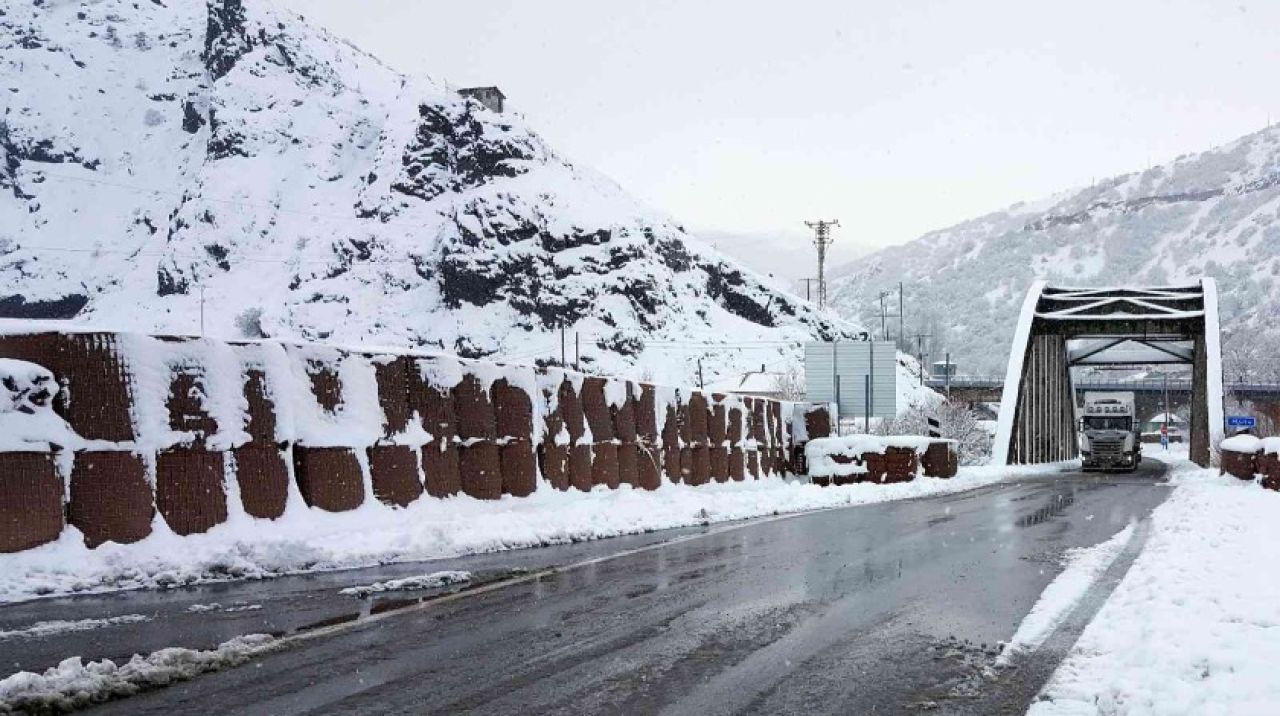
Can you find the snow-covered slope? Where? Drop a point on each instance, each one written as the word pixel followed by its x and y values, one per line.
pixel 1209 214
pixel 152 152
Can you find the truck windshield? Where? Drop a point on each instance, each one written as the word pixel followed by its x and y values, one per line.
pixel 1106 422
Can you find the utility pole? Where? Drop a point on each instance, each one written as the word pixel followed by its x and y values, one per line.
pixel 577 355
pixel 920 353
pixel 202 308
pixel 822 239
pixel 902 315
pixel 807 283
pixel 947 376
pixel 701 385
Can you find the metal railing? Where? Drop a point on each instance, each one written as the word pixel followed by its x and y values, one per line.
pixel 1151 385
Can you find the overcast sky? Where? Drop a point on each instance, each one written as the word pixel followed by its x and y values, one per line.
pixel 745 119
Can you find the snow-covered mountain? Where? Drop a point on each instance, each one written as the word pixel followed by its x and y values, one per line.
pixel 157 155
pixel 1215 213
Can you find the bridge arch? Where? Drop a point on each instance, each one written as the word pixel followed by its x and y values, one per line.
pixel 1063 327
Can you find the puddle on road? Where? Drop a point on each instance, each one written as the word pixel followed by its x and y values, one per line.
pixel 1056 506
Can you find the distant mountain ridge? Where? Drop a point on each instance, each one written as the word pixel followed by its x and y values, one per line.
pixel 1215 213
pixel 157 155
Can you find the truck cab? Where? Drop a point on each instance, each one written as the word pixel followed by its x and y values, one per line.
pixel 1109 437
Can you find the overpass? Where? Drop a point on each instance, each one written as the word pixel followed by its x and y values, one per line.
pixel 1148 394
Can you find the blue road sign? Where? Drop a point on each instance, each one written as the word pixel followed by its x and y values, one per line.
pixel 1242 421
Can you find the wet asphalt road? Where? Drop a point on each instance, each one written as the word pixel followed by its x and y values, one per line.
pixel 890 608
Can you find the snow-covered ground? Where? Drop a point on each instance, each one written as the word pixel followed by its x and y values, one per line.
pixel 1194 626
pixel 306 540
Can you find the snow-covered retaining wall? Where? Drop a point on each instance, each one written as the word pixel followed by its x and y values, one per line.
pixel 878 458
pixel 1247 457
pixel 120 434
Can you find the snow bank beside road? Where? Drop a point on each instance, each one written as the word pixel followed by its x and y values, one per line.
pixel 305 540
pixel 73 684
pixel 1194 627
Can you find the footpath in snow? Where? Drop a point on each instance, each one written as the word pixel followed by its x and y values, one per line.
pixel 310 540
pixel 1194 626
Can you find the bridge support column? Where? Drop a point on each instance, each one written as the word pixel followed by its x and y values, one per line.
pixel 1200 432
pixel 1044 425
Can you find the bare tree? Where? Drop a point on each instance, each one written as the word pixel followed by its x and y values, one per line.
pixel 789 383
pixel 957 422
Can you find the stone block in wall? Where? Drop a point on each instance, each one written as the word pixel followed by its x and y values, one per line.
pixel 817 422
pixel 329 478
pixel 684 424
pixel 111 499
pixel 719 463
pixel 759 425
pixel 96 399
pixel 185 403
pixel 513 410
pixel 393 471
pixel 190 489
pixel 480 468
pixel 570 408
pixel 261 413
pixel 649 467
pixel 940 460
pixel 701 471
pixel 698 413
pixel 894 465
pixel 1238 464
pixel 31 511
pixel 624 419
pixel 1268 466
pixel 737 464
pixel 629 464
pixel 393 375
pixel 441 468
pixel 646 414
pixel 596 409
pixel 326 384
pixel 263 478
pixel 717 425
pixel 554 461
pixel 733 430
pixel 604 465
pixel 474 410
pixel 671 462
pixel 686 465
pixel 433 403
pixel 753 464
pixel 519 474
pixel 580 459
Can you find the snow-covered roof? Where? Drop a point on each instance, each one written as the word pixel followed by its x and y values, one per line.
pixel 1159 419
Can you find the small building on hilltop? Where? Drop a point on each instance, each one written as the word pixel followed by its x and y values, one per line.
pixel 490 97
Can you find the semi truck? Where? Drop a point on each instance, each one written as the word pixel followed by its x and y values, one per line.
pixel 1109 432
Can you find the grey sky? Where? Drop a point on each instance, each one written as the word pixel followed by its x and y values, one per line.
pixel 895 117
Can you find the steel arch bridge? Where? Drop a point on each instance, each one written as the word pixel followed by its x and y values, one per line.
pixel 1060 328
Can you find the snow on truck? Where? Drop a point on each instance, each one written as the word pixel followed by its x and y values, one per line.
pixel 1109 432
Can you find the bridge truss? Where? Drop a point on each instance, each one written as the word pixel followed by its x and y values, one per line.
pixel 1061 328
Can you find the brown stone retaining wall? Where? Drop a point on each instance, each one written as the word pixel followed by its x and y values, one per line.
pixel 433 425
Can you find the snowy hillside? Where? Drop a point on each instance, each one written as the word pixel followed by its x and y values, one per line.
pixel 154 152
pixel 1214 213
